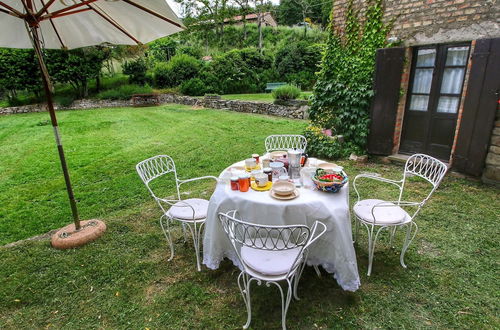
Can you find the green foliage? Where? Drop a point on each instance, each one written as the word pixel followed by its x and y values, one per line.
pixel 179 69
pixel 291 12
pixel 18 71
pixel 65 101
pixel 323 146
pixel 286 92
pixel 298 62
pixel 240 70
pixel 76 67
pixel 136 70
pixel 162 50
pixel 193 87
pixel 124 92
pixel 343 91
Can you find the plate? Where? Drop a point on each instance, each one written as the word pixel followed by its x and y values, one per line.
pixel 295 194
pixel 330 166
pixel 277 154
pixel 267 187
pixel 250 169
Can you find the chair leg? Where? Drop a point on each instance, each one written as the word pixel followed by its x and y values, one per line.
pixel 244 285
pixel 296 279
pixel 407 242
pixel 393 232
pixel 285 301
pixel 316 269
pixel 166 232
pixel 372 240
pixel 196 231
pixel 356 230
pixel 184 232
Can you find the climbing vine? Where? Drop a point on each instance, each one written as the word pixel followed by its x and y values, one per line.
pixel 343 91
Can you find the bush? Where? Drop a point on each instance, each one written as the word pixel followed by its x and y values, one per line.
pixel 136 70
pixel 323 146
pixel 193 87
pixel 285 93
pixel 179 69
pixel 64 101
pixel 124 92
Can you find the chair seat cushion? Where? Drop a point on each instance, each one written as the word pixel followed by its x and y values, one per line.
pixel 384 215
pixel 269 262
pixel 181 211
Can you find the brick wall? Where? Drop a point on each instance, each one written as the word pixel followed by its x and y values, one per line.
pixel 419 22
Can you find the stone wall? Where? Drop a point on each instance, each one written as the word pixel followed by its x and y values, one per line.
pixel 299 109
pixel 491 173
pixel 419 22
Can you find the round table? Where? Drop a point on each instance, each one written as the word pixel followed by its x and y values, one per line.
pixel 334 251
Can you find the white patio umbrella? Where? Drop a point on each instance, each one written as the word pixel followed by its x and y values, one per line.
pixel 68 24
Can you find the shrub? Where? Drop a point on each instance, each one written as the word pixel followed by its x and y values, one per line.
pixel 65 101
pixel 287 92
pixel 323 146
pixel 124 92
pixel 192 51
pixel 193 87
pixel 179 69
pixel 136 70
pixel 162 50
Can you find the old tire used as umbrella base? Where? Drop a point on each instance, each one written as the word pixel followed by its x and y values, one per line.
pixel 68 237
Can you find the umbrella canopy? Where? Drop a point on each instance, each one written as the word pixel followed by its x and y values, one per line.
pixel 71 24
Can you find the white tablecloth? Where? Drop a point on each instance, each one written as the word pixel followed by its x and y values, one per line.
pixel 334 251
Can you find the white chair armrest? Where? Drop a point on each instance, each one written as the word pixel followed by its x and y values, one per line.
pixel 179 203
pixel 376 177
pixel 392 204
pixel 314 236
pixel 196 179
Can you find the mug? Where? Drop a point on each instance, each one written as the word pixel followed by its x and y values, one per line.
pixel 250 163
pixel 261 179
pixel 265 162
pixel 278 168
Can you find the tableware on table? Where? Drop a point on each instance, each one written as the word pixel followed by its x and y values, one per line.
pixel 331 167
pixel 284 177
pixel 267 187
pixel 294 165
pixel 312 162
pixel 293 195
pixel 269 172
pixel 306 175
pixel 256 157
pixel 283 160
pixel 250 163
pixel 244 182
pixel 254 173
pixel 265 162
pixel 283 188
pixel 303 159
pixel 234 183
pixel 277 169
pixel 277 154
pixel 327 181
pixel 261 179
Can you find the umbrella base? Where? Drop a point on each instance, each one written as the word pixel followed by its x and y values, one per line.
pixel 67 237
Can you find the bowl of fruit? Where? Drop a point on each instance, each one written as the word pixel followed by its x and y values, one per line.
pixel 329 180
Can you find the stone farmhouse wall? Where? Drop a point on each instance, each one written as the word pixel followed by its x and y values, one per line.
pixel 420 22
pixel 491 173
pixel 299 110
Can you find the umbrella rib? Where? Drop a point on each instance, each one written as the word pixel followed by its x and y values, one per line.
pixel 45 9
pixel 14 11
pixel 149 11
pixel 114 23
pixel 57 12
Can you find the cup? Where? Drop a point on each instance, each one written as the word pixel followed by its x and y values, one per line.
pixel 256 157
pixel 265 162
pixel 261 179
pixel 250 163
pixel 254 173
pixel 278 168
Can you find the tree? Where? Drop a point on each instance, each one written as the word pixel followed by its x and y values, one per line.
pixel 18 71
pixel 76 67
pixel 244 10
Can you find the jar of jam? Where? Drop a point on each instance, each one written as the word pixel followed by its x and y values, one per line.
pixel 269 172
pixel 244 182
pixel 234 183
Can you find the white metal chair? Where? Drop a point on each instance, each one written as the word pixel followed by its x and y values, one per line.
pixel 191 213
pixel 271 254
pixel 392 214
pixel 285 142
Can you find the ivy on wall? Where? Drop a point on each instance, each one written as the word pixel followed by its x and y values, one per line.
pixel 343 92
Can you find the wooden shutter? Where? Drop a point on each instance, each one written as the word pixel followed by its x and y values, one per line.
pixel 480 105
pixel 388 71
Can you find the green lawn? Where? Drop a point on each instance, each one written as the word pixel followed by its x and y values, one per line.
pixel 124 281
pixel 259 97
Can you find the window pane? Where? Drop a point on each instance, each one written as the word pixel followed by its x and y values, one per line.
pixel 457 56
pixel 426 57
pixel 452 81
pixel 422 81
pixel 419 102
pixel 448 104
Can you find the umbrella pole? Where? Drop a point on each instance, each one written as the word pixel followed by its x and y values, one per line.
pixel 53 119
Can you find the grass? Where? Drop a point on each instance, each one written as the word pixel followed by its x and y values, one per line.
pixel 258 97
pixel 124 281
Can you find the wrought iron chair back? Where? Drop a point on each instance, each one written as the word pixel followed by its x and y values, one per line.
pixel 285 142
pixel 426 167
pixel 155 167
pixel 265 237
